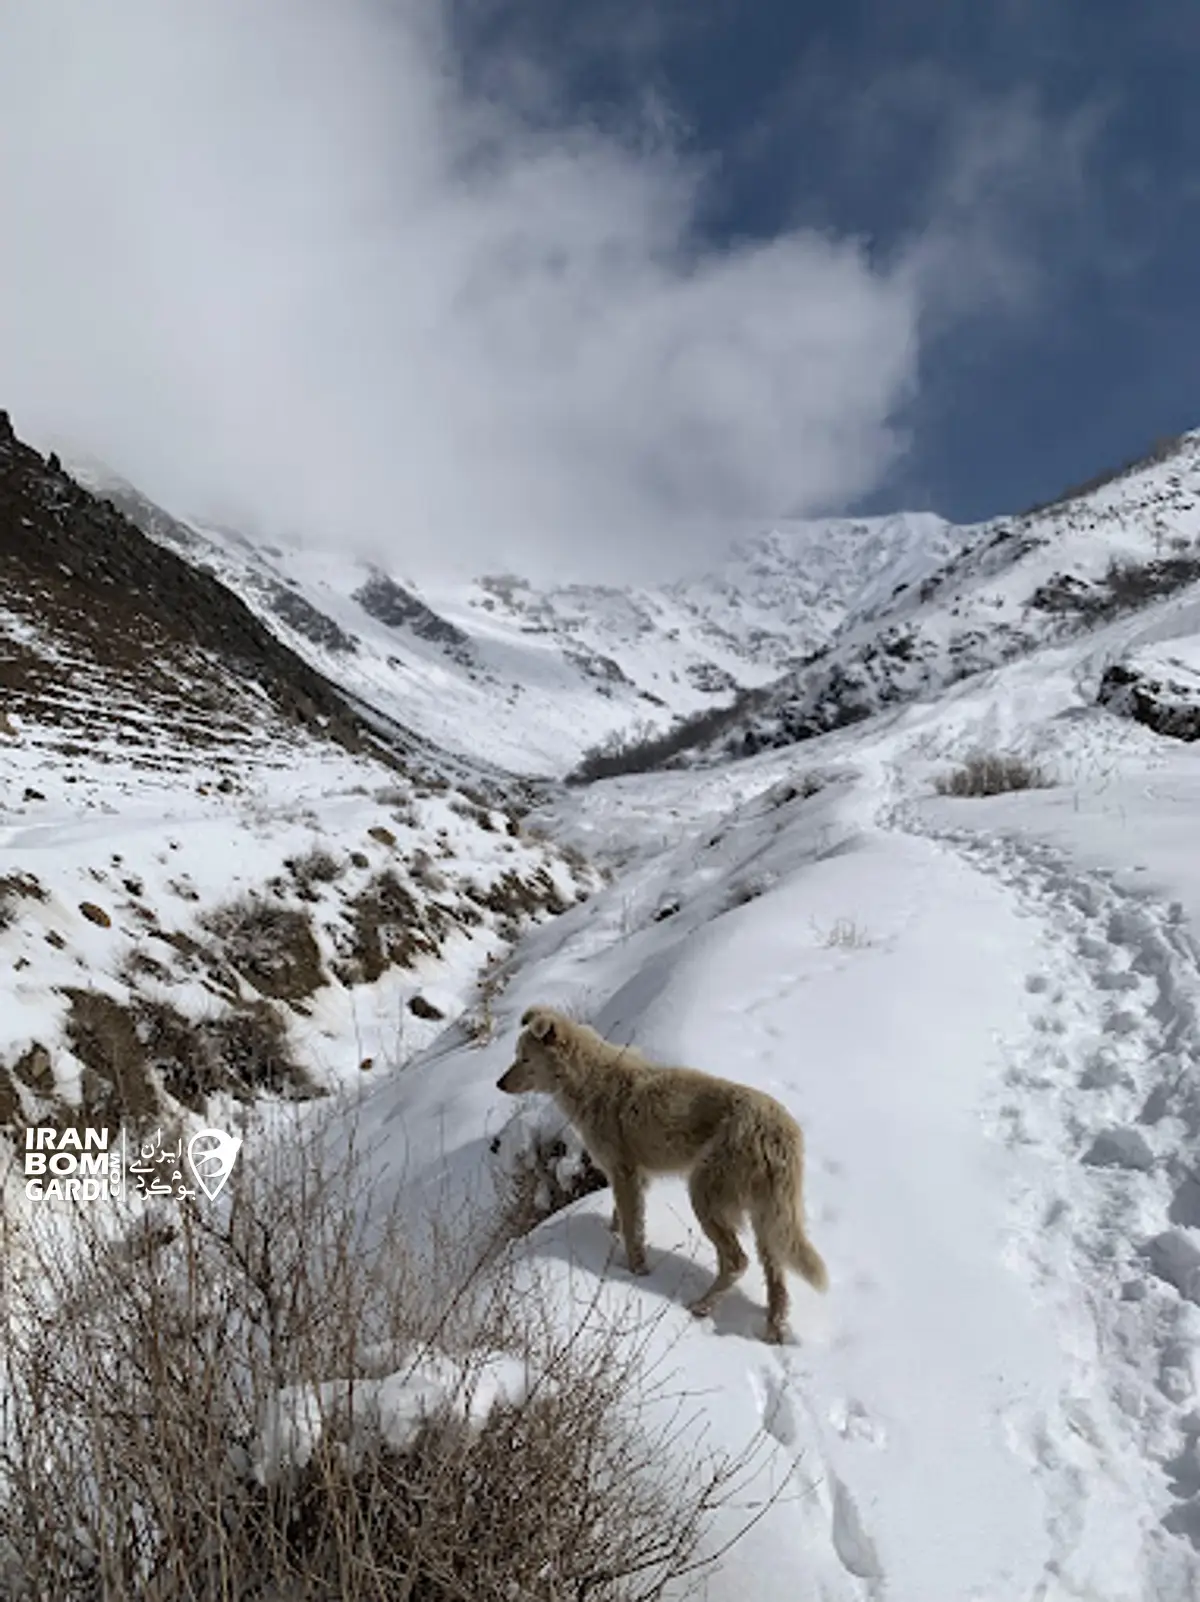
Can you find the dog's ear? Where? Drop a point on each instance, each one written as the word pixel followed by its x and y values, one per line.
pixel 540 1023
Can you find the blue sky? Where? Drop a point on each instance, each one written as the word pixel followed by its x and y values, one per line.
pixel 576 289
pixel 848 116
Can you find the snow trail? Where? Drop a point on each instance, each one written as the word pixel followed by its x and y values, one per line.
pixel 1102 1103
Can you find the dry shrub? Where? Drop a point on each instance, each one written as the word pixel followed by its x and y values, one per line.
pixel 14 888
pixel 423 872
pixel 992 775
pixel 115 1087
pixel 132 1049
pixel 144 1433
pixel 575 858
pixel 271 946
pixel 317 865
pixel 479 1020
pixel 846 934
pixel 389 928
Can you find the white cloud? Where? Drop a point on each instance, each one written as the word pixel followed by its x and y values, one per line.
pixel 265 258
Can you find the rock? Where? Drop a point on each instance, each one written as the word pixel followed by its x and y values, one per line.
pixel 1163 693
pixel 1120 1148
pixel 1176 1260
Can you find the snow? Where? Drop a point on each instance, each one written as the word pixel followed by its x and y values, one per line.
pixel 527 679
pixel 117 868
pixel 984 1011
pixel 1015 586
pixel 387 1411
pixel 985 1014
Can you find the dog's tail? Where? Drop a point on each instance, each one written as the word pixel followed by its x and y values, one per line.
pixel 780 1221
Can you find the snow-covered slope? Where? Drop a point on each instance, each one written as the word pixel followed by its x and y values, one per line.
pixel 1015 585
pixel 985 1010
pixel 805 627
pixel 216 881
pixel 528 678
pixel 986 1013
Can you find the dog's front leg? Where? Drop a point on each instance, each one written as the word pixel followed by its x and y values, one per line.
pixel 629 1196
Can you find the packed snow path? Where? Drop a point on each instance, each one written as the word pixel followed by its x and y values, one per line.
pixel 1104 1101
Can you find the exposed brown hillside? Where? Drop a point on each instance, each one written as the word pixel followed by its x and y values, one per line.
pixel 106 634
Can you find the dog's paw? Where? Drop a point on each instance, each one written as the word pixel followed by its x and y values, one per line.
pixel 700 1308
pixel 638 1266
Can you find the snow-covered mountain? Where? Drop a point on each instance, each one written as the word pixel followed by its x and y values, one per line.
pixel 948 911
pixel 805 626
pixel 1015 585
pixel 217 878
pixel 528 678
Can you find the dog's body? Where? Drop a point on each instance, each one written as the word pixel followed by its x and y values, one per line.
pixel 743 1151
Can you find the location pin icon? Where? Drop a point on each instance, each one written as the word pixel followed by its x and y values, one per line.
pixel 212 1154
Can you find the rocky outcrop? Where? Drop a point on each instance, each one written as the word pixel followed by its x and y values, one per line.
pixel 1161 692
pixel 91 604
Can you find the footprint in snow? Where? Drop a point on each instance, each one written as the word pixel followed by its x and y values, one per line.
pixel 775 1406
pixel 851 1542
pixel 851 1419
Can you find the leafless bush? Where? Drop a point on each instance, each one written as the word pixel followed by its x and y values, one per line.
pixel 479 1020
pixel 202 1409
pixel 847 934
pixel 423 871
pixel 14 888
pixel 271 946
pixel 317 865
pixel 992 775
pixel 575 858
pixel 644 747
pixel 389 927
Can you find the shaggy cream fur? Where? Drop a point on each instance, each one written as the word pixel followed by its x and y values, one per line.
pixel 743 1150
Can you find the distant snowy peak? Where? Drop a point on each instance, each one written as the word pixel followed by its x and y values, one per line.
pixel 528 677
pixel 800 583
pixel 1107 551
pixel 806 625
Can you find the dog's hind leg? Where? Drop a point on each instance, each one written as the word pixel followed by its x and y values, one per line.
pixel 777 1290
pixel 717 1214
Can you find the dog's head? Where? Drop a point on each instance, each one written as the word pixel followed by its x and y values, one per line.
pixel 534 1067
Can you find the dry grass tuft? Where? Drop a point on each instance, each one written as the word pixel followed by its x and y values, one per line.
pixel 984 774
pixel 846 934
pixel 273 947
pixel 15 888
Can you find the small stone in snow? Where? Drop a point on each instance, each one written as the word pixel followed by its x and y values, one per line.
pixel 1120 1148
pixel 1173 1258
